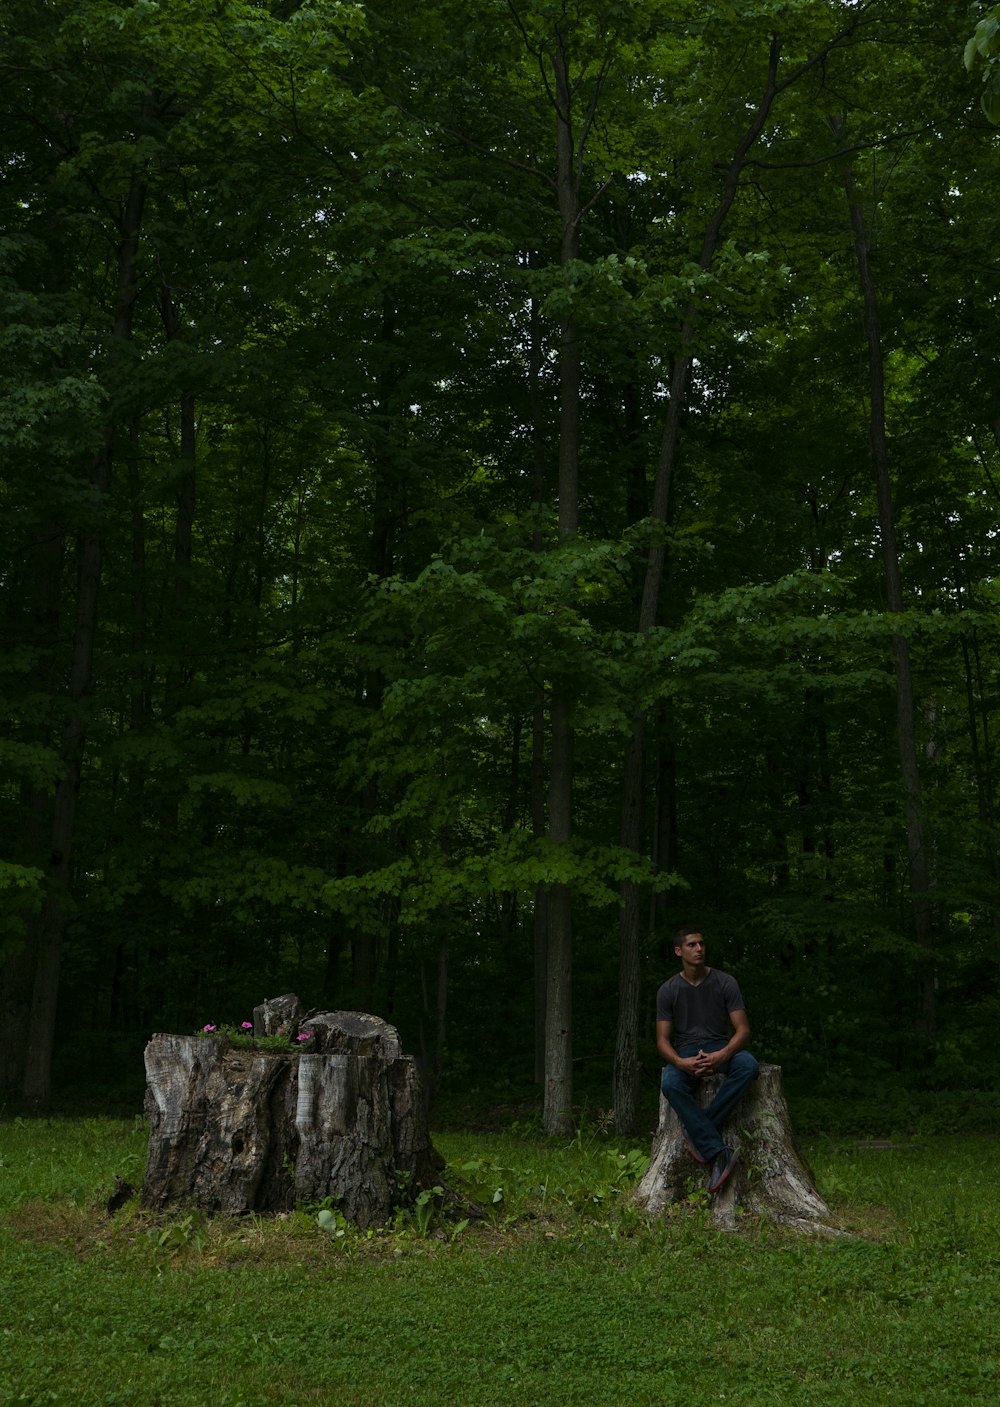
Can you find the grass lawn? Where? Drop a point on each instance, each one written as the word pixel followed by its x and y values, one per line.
pixel 564 1296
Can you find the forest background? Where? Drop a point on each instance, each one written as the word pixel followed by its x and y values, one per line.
pixel 483 484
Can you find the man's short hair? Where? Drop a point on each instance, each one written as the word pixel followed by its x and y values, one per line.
pixel 681 933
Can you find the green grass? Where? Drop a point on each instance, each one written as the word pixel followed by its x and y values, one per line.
pixel 563 1296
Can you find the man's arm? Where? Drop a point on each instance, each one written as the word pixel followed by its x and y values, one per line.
pixel 689 1063
pixel 708 1064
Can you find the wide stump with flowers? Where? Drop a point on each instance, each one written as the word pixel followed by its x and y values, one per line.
pixel 301 1109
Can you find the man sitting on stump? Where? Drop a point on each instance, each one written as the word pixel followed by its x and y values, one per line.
pixel 702 1029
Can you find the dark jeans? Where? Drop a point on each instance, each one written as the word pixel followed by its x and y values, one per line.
pixel 703 1126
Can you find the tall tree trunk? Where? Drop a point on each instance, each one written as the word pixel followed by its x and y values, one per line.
pixel 558 1099
pixel 540 923
pixel 441 1011
pixel 388 490
pixel 626 1066
pixel 122 1003
pixel 51 926
pixel 17 974
pixel 985 771
pixel 538 809
pixel 186 482
pixel 139 699
pixel 184 449
pixel 186 491
pixel 916 839
pixel 982 761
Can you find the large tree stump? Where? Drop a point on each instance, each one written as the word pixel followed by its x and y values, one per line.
pixel 238 1130
pixel 771 1179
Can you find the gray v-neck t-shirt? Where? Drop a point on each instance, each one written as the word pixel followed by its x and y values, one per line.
pixel 699 1014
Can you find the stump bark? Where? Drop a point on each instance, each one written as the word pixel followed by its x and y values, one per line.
pixel 771 1179
pixel 237 1130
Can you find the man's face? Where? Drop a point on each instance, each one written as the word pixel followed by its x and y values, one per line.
pixel 692 950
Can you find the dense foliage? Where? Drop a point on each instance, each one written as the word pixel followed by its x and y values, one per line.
pixel 493 480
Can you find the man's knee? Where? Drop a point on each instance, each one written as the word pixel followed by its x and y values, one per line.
pixel 744 1066
pixel 673 1082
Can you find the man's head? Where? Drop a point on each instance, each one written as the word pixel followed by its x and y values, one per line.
pixel 689 945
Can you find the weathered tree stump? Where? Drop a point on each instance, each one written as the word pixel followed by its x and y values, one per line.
pixel 239 1130
pixel 771 1179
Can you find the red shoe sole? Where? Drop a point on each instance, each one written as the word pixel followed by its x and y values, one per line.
pixel 724 1178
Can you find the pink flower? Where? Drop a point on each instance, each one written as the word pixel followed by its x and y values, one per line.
pixel 209 1027
pixel 304 1036
pixel 247 1025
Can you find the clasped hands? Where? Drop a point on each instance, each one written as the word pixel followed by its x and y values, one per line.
pixel 704 1063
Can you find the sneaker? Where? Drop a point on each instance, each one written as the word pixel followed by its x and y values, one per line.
pixel 695 1154
pixel 722 1165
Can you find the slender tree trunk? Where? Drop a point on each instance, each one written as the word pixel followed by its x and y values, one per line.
pixel 388 491
pixel 540 926
pixel 558 1099
pixel 186 483
pixel 538 810
pixel 123 996
pixel 139 697
pixel 626 1066
pixel 982 762
pixel 441 1011
pixel 916 839
pixel 184 448
pixel 52 921
pixel 184 535
pixel 557 1112
pixel 51 925
pixel 508 909
pixel 986 783
pixel 17 974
